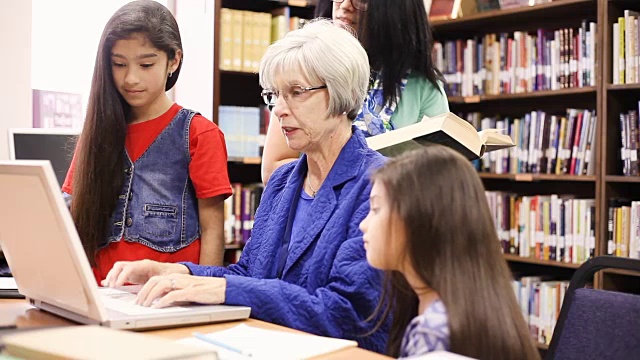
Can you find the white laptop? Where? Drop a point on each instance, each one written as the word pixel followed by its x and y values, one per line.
pixel 51 269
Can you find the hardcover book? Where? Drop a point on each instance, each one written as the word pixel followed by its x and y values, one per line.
pixel 446 129
pixel 95 342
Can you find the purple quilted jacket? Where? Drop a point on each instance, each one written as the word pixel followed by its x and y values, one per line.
pixel 327 287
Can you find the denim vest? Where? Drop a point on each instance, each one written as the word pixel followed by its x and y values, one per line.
pixel 157 206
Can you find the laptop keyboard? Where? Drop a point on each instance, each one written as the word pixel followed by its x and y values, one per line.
pixel 124 302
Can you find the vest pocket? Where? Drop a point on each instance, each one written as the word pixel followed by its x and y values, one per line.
pixel 160 220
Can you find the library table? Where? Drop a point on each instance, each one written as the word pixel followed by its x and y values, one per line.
pixel 19 313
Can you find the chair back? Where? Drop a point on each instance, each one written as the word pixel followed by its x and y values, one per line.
pixel 597 324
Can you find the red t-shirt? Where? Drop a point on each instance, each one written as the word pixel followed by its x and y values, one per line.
pixel 207 170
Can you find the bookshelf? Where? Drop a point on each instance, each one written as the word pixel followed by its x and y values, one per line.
pixel 622 87
pixel 547 263
pixel 539 95
pixel 240 88
pixel 513 16
pixel 607 100
pixel 616 98
pixel 550 16
pixel 537 177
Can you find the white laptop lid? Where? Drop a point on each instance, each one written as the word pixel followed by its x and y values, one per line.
pixel 40 241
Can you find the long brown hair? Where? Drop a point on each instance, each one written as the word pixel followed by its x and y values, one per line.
pixel 98 175
pixel 453 246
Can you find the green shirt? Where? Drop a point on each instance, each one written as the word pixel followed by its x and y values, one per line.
pixel 419 98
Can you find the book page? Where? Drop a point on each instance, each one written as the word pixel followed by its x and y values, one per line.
pixel 495 137
pixel 458 120
pixel 269 344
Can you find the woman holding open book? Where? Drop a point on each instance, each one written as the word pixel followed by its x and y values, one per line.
pixel 304 266
pixel 405 86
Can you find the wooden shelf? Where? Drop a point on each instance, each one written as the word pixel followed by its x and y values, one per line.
pixel 266 5
pixel 233 246
pixel 536 177
pixel 521 14
pixel 622 179
pixel 516 258
pixel 620 87
pixel 238 73
pixel 621 272
pixel 245 160
pixel 535 94
pixel 295 3
pixel 541 346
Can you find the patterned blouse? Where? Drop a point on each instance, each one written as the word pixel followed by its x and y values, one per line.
pixel 427 332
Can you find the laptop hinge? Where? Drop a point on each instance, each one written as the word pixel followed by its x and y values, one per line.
pixel 63 312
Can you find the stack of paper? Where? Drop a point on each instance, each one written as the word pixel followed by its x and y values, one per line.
pixel 256 343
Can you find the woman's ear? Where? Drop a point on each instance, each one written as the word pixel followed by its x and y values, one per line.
pixel 175 62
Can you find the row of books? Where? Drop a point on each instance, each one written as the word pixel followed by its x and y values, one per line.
pixel 545 143
pixel 630 139
pixel 245 36
pixel 545 227
pixel 239 212
pixel 540 302
pixel 623 228
pixel 519 62
pixel 244 129
pixel 448 9
pixel 626 43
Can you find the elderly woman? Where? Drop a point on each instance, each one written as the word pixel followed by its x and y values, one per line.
pixel 305 266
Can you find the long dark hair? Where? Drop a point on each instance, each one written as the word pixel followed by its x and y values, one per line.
pixel 453 247
pixel 398 38
pixel 323 9
pixel 98 175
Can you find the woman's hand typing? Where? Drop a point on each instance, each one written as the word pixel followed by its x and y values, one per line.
pixel 139 272
pixel 177 288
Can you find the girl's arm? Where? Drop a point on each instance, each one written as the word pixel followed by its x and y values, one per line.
pixel 212 225
pixel 276 151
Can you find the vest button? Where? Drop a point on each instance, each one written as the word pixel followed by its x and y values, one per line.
pixel 129 221
pixel 130 195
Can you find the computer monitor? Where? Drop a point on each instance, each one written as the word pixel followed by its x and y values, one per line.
pixel 55 145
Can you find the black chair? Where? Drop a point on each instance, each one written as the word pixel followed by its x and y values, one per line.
pixel 597 324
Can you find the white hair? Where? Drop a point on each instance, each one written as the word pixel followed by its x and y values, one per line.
pixel 323 53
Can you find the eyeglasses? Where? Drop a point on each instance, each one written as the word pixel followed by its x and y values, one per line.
pixel 361 5
pixel 295 92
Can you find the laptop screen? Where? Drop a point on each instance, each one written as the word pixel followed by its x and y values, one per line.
pixel 55 145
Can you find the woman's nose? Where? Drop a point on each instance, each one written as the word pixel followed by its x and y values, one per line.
pixel 281 107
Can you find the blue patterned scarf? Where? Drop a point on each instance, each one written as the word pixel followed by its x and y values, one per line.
pixel 375 116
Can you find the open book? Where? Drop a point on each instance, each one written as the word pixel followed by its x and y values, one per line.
pixel 446 129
